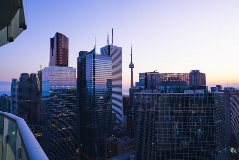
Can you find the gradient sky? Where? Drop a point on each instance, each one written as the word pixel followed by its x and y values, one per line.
pixel 167 36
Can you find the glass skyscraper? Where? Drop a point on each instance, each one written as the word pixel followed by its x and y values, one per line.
pixel 117 100
pixel 180 126
pixel 14 97
pixel 94 89
pixel 59 112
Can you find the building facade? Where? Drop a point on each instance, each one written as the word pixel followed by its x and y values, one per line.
pixel 59 112
pixel 59 50
pixel 117 101
pixel 231 103
pixel 180 126
pixel 197 78
pixel 94 90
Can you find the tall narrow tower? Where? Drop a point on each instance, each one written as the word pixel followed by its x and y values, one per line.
pixel 131 65
pixel 59 50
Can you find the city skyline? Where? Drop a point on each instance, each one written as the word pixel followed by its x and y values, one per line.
pixel 168 36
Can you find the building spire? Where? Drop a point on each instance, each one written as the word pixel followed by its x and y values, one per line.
pixel 112 36
pixel 131 53
pixel 131 66
pixel 107 39
pixel 95 43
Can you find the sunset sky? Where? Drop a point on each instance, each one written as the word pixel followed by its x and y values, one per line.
pixel 167 35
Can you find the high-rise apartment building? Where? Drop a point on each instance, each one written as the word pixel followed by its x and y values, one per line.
pixel 117 101
pixel 14 97
pixel 59 48
pixel 59 112
pixel 94 90
pixel 28 97
pixel 180 126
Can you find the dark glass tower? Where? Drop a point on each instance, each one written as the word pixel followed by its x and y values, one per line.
pixel 14 97
pixel 180 126
pixel 94 89
pixel 59 45
pixel 59 112
pixel 28 97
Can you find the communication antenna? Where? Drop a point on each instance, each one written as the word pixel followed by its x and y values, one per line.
pixel 107 39
pixel 112 36
pixel 95 43
pixel 40 67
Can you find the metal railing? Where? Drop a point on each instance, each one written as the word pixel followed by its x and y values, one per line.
pixel 17 140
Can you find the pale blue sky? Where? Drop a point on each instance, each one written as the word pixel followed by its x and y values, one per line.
pixel 167 35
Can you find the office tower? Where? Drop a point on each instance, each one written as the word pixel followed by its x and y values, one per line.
pixel 231 103
pixel 180 126
pixel 4 103
pixel 94 90
pixel 39 75
pixel 116 55
pixel 59 45
pixel 196 78
pixel 59 112
pixel 28 97
pixel 14 97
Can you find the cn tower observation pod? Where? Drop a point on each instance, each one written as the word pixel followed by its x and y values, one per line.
pixel 12 20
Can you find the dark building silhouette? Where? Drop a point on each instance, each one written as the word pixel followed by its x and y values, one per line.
pixel 59 48
pixel 28 97
pixel 5 103
pixel 94 90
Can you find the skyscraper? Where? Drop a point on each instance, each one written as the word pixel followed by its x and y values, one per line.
pixel 117 101
pixel 94 89
pixel 180 126
pixel 14 97
pixel 28 97
pixel 59 45
pixel 59 112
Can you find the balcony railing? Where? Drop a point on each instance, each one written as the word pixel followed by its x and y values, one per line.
pixel 17 140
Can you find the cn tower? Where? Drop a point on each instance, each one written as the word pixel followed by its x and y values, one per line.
pixel 131 65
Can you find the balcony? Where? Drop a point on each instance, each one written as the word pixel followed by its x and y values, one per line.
pixel 17 140
pixel 12 20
